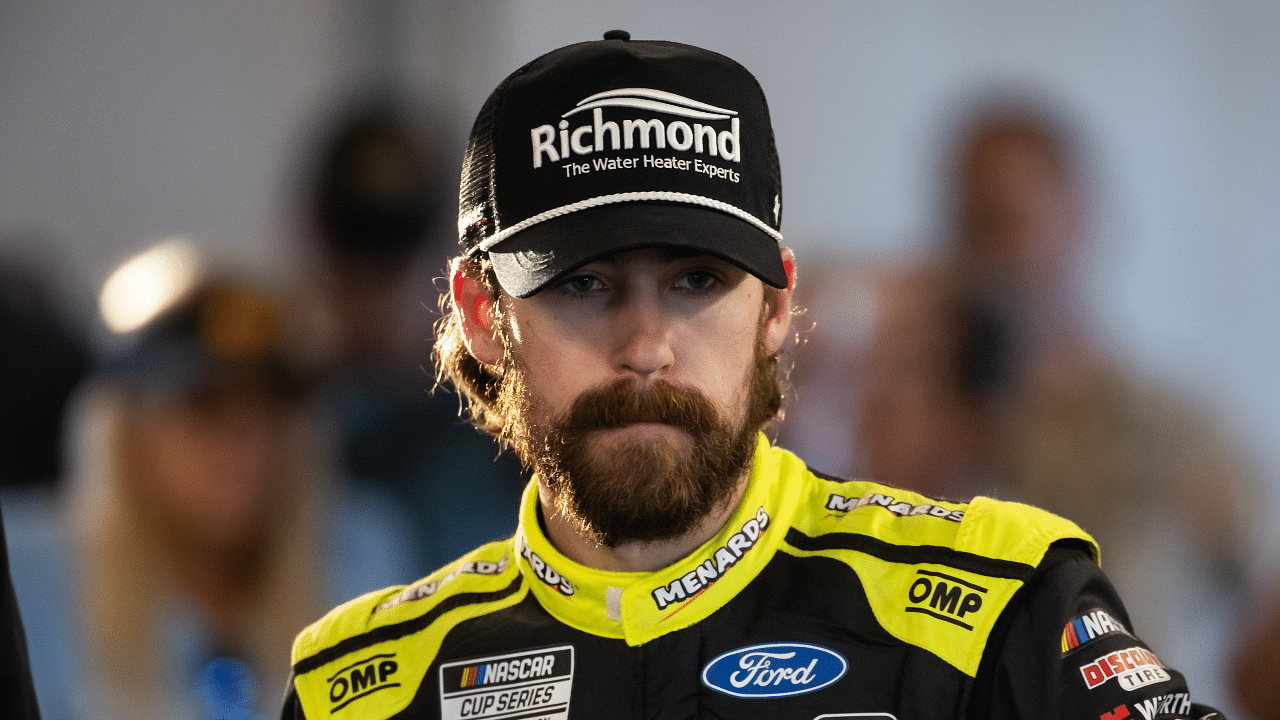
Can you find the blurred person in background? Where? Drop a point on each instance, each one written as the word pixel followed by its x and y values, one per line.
pixel 824 365
pixel 989 354
pixel 1254 680
pixel 202 523
pixel 374 200
pixel 17 692
pixel 920 422
pixel 42 359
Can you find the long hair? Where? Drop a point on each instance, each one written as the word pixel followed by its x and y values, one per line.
pixel 478 385
pixel 128 589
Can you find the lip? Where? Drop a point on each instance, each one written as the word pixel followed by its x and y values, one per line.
pixel 645 431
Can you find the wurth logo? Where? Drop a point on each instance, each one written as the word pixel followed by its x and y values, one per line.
pixel 1173 703
pixel 720 140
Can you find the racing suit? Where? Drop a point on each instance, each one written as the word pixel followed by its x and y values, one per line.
pixel 819 598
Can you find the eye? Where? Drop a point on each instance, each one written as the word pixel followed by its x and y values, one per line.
pixel 582 284
pixel 698 281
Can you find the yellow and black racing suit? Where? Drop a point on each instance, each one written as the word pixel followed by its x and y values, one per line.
pixel 819 598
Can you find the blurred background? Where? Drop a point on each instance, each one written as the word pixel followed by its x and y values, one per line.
pixel 127 124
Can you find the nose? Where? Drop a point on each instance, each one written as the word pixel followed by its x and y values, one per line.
pixel 643 337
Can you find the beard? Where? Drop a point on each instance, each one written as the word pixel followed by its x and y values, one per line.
pixel 643 490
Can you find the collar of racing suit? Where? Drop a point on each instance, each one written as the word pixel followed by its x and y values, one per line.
pixel 640 606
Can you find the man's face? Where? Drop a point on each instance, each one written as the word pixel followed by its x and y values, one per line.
pixel 635 388
pixel 209 466
pixel 1021 219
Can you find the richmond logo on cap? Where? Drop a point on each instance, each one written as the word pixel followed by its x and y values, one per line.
pixel 700 137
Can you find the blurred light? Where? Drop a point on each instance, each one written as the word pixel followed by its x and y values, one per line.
pixel 148 283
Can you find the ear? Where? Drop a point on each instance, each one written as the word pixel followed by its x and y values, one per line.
pixel 777 322
pixel 475 308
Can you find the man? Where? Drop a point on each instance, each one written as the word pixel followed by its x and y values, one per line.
pixel 616 319
pixel 1024 399
pixel 374 205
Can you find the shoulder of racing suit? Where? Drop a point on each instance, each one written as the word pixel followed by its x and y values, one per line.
pixel 923 560
pixel 380 645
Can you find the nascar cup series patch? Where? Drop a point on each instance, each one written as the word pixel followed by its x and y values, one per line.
pixel 525 684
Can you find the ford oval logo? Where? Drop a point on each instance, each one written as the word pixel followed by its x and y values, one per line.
pixel 774 670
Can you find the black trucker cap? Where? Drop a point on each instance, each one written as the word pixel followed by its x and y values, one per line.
pixel 618 144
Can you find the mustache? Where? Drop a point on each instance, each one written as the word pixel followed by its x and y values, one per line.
pixel 621 403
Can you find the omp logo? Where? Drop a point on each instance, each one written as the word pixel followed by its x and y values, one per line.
pixel 1087 628
pixel 842 504
pixel 643 132
pixel 948 598
pixel 774 670
pixel 696 580
pixel 1132 668
pixel 361 679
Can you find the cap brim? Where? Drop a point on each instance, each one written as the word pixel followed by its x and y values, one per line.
pixel 534 258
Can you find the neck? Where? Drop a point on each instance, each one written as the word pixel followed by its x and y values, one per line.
pixel 631 556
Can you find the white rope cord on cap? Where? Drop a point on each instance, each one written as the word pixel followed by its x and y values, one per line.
pixel 650 196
